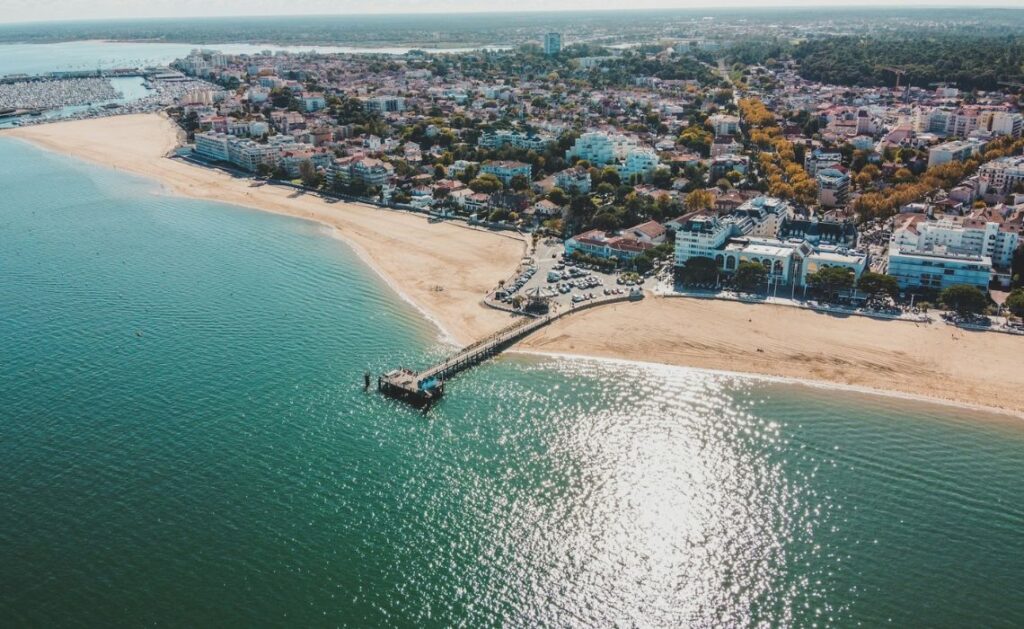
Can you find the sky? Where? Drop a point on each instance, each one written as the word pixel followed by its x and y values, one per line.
pixel 47 10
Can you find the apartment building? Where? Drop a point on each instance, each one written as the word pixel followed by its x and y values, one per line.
pixel 574 180
pixel 552 43
pixel 384 104
pixel 600 148
pixel 833 187
pixel 1001 176
pixel 937 270
pixel 980 233
pixel 506 170
pixel 955 151
pixel 724 124
pixel 498 139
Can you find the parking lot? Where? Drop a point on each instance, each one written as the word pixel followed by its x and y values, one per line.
pixel 563 282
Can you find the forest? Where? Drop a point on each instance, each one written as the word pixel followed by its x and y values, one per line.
pixel 968 62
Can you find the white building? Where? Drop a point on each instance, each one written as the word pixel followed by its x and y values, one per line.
pixel 385 104
pixel 955 151
pixel 600 148
pixel 972 235
pixel 639 163
pixel 1003 123
pixel 1001 176
pixel 818 159
pixel 724 124
pixel 506 170
pixel 788 262
pixel 459 167
pixel 359 169
pixel 213 146
pixel 833 187
pixel 574 180
pixel 498 139
pixel 313 101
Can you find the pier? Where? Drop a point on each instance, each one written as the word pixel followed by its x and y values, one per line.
pixel 425 387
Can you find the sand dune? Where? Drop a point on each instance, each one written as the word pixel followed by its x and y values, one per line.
pixel 446 269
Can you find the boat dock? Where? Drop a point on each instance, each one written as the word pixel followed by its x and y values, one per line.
pixel 426 387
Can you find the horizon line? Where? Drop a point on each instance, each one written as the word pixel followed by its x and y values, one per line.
pixel 875 5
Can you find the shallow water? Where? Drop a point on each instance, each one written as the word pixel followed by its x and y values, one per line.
pixel 184 439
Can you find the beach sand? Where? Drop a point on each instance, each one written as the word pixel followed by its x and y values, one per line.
pixel 416 257
pixel 923 360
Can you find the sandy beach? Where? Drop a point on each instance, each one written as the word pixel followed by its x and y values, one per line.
pixel 445 269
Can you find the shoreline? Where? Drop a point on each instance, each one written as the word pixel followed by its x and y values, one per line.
pixel 441 266
pixel 1005 413
pixel 443 270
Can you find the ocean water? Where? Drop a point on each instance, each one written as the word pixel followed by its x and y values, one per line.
pixel 93 55
pixel 184 440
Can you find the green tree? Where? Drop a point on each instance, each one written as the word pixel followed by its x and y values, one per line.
pixel 964 299
pixel 308 173
pixel 558 196
pixel 610 175
pixel 1015 302
pixel 699 270
pixel 828 281
pixel 486 183
pixel 750 275
pixel 519 182
pixel 877 284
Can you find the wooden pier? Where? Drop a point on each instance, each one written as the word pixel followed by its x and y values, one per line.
pixel 425 387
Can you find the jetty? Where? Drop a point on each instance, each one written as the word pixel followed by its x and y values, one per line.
pixel 423 388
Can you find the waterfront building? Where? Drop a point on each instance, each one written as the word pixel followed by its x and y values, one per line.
pixel 598 243
pixel 359 169
pixel 983 232
pixel 213 146
pixel 937 269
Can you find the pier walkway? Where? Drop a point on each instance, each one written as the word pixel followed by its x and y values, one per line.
pixel 425 387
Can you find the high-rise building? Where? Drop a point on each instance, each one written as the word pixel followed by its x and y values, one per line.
pixel 552 43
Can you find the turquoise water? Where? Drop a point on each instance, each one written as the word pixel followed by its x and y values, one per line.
pixel 184 440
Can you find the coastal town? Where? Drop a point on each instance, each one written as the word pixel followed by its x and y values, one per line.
pixel 675 173
pixel 742 180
